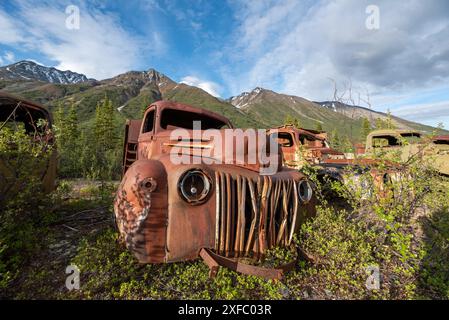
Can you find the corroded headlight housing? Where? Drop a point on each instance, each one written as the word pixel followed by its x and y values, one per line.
pixel 305 190
pixel 194 186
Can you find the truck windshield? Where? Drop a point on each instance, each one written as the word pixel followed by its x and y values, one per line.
pixel 311 141
pixel 172 119
pixel 413 137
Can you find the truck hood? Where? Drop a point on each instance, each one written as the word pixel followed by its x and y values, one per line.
pixel 246 149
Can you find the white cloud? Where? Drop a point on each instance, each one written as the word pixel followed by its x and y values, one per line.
pixel 208 86
pixel 100 48
pixel 295 47
pixel 423 111
pixel 9 33
pixel 9 57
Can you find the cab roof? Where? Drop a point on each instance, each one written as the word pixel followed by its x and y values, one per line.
pixel 393 132
pixel 161 105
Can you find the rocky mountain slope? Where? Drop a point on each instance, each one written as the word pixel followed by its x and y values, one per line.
pixel 271 109
pixel 359 112
pixel 29 70
pixel 132 91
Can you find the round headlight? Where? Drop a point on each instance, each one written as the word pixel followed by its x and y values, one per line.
pixel 305 191
pixel 194 186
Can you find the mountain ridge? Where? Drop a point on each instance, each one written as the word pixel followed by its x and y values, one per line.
pixel 132 91
pixel 30 70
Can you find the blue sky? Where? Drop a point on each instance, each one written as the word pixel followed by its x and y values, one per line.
pixel 226 47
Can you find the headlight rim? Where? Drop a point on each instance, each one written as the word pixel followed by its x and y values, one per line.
pixel 207 186
pixel 309 196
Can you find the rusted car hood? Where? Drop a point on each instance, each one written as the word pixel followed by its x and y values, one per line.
pixel 227 151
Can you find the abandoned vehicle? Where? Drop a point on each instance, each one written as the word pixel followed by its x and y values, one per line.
pixel 409 144
pixel 16 112
pixel 211 207
pixel 302 147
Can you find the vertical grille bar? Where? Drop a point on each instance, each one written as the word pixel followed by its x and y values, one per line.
pixel 253 216
pixel 218 192
pixel 222 214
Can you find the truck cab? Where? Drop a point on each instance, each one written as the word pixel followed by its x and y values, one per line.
pixel 169 210
pixel 407 144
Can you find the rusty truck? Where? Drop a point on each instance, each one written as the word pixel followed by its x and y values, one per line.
pixel 305 147
pixel 222 210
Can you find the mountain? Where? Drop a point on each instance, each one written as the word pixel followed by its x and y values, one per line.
pixel 359 112
pixel 131 92
pixel 29 70
pixel 271 109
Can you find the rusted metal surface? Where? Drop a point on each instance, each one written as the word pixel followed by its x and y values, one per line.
pixel 300 146
pixel 14 109
pixel 274 214
pixel 234 211
pixel 214 261
pixel 311 147
pixel 442 139
pixel 132 129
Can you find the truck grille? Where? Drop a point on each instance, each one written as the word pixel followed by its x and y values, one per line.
pixel 253 216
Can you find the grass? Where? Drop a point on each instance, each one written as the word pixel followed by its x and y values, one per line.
pixel 338 247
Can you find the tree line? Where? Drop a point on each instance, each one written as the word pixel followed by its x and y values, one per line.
pixel 94 152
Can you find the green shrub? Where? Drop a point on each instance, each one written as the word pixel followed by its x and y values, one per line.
pixel 23 160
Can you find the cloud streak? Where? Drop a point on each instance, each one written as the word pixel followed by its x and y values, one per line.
pixel 100 48
pixel 295 47
pixel 208 86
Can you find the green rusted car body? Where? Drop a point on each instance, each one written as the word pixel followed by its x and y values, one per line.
pixel 410 144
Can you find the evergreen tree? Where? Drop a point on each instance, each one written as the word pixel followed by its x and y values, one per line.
pixel 380 124
pixel 296 123
pixel 289 120
pixel 389 122
pixel 336 143
pixel 72 130
pixel 346 145
pixel 106 147
pixel 67 140
pixel 366 127
pixel 104 125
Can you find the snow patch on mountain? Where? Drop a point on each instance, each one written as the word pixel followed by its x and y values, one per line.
pixel 245 98
pixel 30 70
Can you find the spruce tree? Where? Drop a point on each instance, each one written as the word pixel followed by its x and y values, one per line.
pixel 105 140
pixel 336 143
pixel 72 125
pixel 366 127
pixel 297 123
pixel 389 122
pixel 380 124
pixel 288 120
